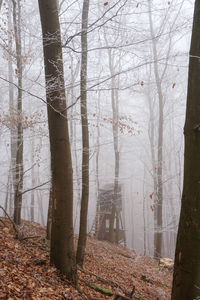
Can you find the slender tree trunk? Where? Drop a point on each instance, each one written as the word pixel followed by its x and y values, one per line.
pixel 98 111
pixel 1 2
pixel 62 235
pixel 115 112
pixel 10 200
pixel 12 110
pixel 158 220
pixel 97 168
pixel 171 210
pixel 186 279
pixel 41 210
pixel 78 179
pixel 144 216
pixel 151 133
pixel 19 154
pixel 7 193
pixel 32 210
pixel 85 140
pixel 74 70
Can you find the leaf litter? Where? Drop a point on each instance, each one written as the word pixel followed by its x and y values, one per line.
pixel 26 272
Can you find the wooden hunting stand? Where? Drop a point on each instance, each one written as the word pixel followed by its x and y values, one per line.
pixel 103 215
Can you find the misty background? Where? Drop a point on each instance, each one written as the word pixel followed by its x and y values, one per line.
pixel 121 60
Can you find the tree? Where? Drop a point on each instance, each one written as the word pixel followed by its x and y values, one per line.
pixel 12 107
pixel 32 210
pixel 49 216
pixel 19 151
pixel 186 278
pixel 62 236
pixel 162 49
pixel 85 139
pixel 114 63
pixel 115 117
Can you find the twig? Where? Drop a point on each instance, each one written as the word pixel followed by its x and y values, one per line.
pixel 3 222
pixel 35 187
pixel 18 234
pixel 29 237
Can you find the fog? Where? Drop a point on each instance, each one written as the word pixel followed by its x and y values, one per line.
pixel 121 58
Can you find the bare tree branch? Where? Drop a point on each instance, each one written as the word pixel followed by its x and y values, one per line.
pixel 90 27
pixel 35 187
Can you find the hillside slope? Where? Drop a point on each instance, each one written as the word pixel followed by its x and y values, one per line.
pixel 26 273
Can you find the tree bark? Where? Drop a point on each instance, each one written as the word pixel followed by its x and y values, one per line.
pixel 7 193
pixel 97 167
pixel 12 110
pixel 19 153
pixel 85 140
pixel 32 210
pixel 49 216
pixel 158 219
pixel 186 278
pixel 115 116
pixel 62 235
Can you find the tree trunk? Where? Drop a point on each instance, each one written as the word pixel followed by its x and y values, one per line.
pixel 144 215
pixel 186 279
pixel 7 193
pixel 115 116
pixel 1 1
pixel 62 235
pixel 41 210
pixel 74 71
pixel 49 216
pixel 158 220
pixel 85 140
pixel 32 210
pixel 12 111
pixel 97 167
pixel 19 154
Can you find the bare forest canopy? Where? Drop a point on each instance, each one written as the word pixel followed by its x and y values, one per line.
pixel 91 120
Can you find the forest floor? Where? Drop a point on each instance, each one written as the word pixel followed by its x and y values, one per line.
pixel 26 272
